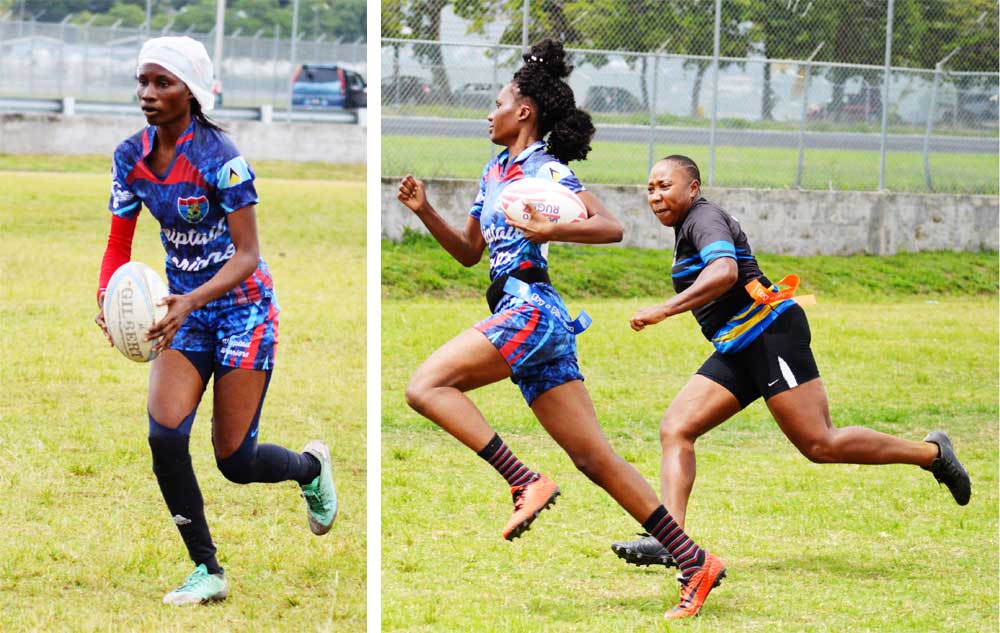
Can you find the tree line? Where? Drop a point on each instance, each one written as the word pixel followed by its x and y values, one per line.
pixel 333 19
pixel 847 32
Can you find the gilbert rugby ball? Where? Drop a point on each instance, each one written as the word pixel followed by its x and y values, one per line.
pixel 130 309
pixel 552 200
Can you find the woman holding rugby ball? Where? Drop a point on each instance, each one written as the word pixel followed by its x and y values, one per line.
pixel 762 340
pixel 222 314
pixel 537 122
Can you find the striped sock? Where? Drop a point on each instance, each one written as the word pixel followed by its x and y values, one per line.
pixel 509 466
pixel 686 552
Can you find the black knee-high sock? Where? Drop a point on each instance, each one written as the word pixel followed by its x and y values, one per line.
pixel 265 463
pixel 686 552
pixel 174 473
pixel 268 463
pixel 506 463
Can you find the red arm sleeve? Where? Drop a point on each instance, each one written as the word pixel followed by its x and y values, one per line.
pixel 119 249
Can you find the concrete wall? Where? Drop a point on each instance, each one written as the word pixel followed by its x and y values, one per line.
pixel 776 221
pixel 91 134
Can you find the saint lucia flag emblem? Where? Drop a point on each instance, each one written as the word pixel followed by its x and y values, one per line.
pixel 193 210
pixel 554 171
pixel 234 172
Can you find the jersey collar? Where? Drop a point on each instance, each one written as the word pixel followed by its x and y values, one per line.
pixel 520 158
pixel 150 135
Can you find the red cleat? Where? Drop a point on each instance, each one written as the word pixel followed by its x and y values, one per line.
pixel 529 500
pixel 695 589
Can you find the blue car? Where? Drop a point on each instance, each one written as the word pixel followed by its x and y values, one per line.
pixel 328 87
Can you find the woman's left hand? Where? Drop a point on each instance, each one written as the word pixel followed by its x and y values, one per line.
pixel 648 316
pixel 178 308
pixel 536 229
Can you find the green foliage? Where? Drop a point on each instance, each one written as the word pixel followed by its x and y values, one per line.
pixel 418 267
pixel 341 19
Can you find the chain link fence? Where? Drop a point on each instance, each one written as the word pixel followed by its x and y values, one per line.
pixel 791 93
pixel 54 60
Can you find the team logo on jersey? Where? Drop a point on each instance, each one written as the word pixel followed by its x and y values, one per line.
pixel 554 171
pixel 234 172
pixel 193 209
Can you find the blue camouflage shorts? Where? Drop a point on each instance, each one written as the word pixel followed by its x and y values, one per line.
pixel 540 350
pixel 241 327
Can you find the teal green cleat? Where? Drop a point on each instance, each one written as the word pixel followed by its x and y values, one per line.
pixel 199 588
pixel 320 494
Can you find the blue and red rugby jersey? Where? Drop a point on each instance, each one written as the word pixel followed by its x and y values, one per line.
pixel 207 180
pixel 509 249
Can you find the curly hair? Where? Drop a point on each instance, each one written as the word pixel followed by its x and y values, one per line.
pixel 569 129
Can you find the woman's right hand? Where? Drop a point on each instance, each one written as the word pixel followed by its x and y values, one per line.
pixel 99 320
pixel 411 193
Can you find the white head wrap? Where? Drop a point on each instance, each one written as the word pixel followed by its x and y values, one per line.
pixel 187 59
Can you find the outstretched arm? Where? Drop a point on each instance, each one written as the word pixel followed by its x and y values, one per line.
pixel 466 245
pixel 718 277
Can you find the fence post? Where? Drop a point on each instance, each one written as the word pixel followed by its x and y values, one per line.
pixel 496 57
pixel 930 125
pixel 885 97
pixel 525 10
pixel 938 67
pixel 295 34
pixel 715 93
pixel 253 56
pixel 220 35
pixel 652 112
pixel 802 124
pixel 31 65
pixel 274 64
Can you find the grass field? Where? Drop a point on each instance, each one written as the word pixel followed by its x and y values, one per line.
pixel 809 547
pixel 757 167
pixel 87 543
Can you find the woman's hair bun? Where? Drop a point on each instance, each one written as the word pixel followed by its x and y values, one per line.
pixel 550 56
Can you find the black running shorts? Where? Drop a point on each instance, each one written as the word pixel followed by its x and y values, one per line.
pixel 777 360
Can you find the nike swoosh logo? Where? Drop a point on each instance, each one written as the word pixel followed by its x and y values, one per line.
pixel 772 383
pixel 694 591
pixel 253 433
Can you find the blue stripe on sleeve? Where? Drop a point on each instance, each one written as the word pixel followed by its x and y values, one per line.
pixel 715 250
pixel 694 268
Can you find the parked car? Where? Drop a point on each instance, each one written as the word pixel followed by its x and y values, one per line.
pixel 862 106
pixel 328 87
pixel 477 95
pixel 410 90
pixel 979 109
pixel 610 99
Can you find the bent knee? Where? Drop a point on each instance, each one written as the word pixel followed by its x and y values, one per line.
pixel 168 416
pixel 674 431
pixel 416 396
pixel 819 450
pixel 236 468
pixel 420 391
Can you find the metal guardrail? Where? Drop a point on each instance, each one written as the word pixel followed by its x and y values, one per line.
pixel 69 106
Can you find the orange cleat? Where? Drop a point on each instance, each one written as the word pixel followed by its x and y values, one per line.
pixel 695 589
pixel 529 500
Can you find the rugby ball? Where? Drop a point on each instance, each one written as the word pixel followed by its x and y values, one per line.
pixel 130 309
pixel 554 201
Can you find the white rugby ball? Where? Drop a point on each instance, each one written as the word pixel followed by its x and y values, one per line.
pixel 130 309
pixel 552 200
